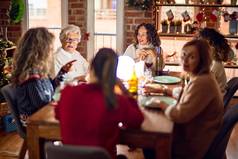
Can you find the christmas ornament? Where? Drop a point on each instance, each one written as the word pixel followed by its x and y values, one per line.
pixel 185 16
pixel 234 16
pixel 226 16
pixel 214 15
pixel 86 36
pixel 170 15
pixel 200 16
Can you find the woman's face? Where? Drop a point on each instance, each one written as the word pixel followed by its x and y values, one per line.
pixel 142 36
pixel 70 42
pixel 190 59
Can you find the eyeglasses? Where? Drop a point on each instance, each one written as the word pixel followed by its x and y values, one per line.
pixel 70 40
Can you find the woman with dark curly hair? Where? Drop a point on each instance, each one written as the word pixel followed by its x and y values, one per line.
pixel 220 53
pixel 147 42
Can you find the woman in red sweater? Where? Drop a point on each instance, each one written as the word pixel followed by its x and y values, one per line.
pixel 89 114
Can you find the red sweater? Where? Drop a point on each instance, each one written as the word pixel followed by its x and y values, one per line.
pixel 85 119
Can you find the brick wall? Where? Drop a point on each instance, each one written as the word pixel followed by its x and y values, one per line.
pixel 14 30
pixel 78 16
pixel 134 17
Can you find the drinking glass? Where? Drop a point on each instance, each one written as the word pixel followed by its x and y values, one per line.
pixel 148 67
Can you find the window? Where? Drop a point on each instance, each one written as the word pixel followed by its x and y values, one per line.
pixel 105 15
pixel 47 13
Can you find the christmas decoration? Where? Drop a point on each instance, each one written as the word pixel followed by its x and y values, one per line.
pixel 226 16
pixel 141 4
pixel 200 16
pixel 16 10
pixel 5 64
pixel 170 15
pixel 214 15
pixel 234 16
pixel 86 36
pixel 185 16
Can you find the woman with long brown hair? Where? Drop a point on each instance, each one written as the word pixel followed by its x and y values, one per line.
pixel 31 64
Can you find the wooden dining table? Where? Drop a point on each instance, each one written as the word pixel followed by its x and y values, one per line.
pixel 155 132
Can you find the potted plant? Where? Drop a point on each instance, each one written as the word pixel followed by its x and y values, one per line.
pixel 164 24
pixel 178 24
pixel 172 27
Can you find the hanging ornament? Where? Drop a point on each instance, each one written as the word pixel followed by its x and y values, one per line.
pixel 234 16
pixel 185 16
pixel 86 36
pixel 226 16
pixel 200 16
pixel 170 15
pixel 214 15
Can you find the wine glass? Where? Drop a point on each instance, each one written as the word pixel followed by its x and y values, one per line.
pixel 148 67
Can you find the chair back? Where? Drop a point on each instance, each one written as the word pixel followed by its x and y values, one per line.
pixel 218 147
pixel 232 86
pixel 75 152
pixel 9 93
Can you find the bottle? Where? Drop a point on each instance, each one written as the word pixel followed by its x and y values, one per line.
pixel 159 61
pixel 133 83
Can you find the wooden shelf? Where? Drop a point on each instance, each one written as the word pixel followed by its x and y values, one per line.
pixel 197 5
pixel 172 63
pixel 189 35
pixel 177 64
pixel 176 35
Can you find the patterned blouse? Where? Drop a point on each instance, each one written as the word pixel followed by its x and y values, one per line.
pixel 34 93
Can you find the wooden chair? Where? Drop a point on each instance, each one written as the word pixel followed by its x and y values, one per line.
pixel 232 86
pixel 218 147
pixel 8 92
pixel 75 152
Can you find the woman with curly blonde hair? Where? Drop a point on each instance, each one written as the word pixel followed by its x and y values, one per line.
pixel 31 63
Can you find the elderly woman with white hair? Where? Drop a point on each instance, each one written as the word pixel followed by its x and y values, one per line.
pixel 68 56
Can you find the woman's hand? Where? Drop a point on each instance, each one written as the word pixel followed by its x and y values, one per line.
pixel 153 88
pixel 67 66
pixel 142 54
pixel 151 52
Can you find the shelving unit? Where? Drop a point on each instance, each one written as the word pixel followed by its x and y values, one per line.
pixel 197 5
pixel 158 5
pixel 173 41
pixel 189 35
